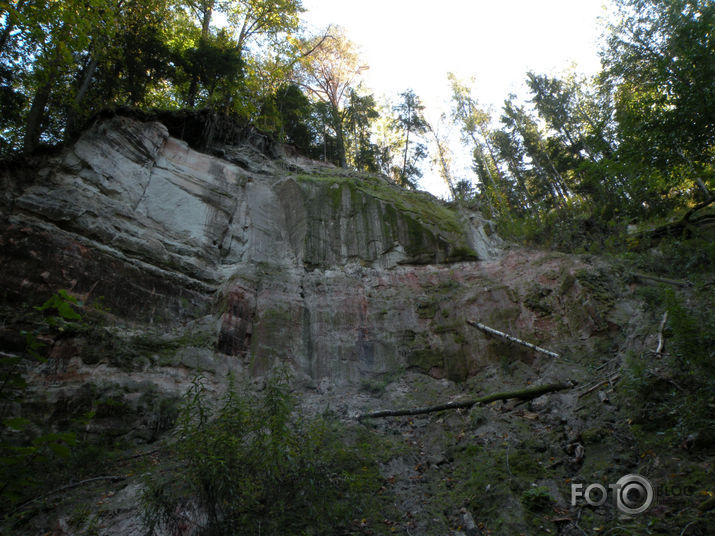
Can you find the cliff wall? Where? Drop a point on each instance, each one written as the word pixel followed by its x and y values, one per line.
pixel 238 260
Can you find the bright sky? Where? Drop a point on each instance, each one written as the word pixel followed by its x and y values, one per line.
pixel 415 43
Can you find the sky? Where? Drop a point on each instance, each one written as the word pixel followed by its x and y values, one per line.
pixel 415 43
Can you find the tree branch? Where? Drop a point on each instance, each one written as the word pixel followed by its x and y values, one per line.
pixel 601 383
pixel 677 228
pixel 524 394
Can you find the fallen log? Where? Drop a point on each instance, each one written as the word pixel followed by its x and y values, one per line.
pixel 511 338
pixel 674 282
pixel 112 478
pixel 524 394
pixel 684 225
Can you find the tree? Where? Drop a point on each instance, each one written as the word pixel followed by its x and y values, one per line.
pixel 287 113
pixel 443 158
pixel 388 142
pixel 129 68
pixel 577 115
pixel 409 120
pixel 251 19
pixel 360 112
pixel 203 11
pixel 58 32
pixel 68 58
pixel 216 63
pixel 474 123
pixel 530 159
pixel 226 52
pixel 328 70
pixel 660 57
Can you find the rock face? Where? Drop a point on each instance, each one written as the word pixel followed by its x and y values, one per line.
pixel 166 234
pixel 240 262
pixel 250 262
pixel 187 262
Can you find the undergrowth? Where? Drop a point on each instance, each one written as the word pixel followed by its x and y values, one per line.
pixel 250 466
pixel 673 392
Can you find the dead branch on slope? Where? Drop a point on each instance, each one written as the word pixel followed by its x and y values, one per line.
pixel 523 394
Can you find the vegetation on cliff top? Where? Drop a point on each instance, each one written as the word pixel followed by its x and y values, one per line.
pixel 574 165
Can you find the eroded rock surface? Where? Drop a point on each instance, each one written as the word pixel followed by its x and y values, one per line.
pixel 186 262
pixel 166 234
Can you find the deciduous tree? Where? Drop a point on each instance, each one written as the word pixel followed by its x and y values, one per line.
pixel 328 70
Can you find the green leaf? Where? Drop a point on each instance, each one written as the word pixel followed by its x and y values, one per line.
pixel 65 311
pixel 60 449
pixel 17 423
pixel 8 361
pixel 68 297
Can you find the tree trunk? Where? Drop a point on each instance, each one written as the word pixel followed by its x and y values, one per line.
pixel 206 13
pixel 206 21
pixel 511 338
pixel 703 188
pixel 72 115
pixel 558 181
pixel 341 144
pixel 524 394
pixel 33 127
pixel 443 163
pixel 404 160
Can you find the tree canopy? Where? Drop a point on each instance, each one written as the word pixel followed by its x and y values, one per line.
pixel 635 142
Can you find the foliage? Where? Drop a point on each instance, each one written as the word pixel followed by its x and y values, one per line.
pixel 329 70
pixel 248 466
pixel 61 62
pixel 25 447
pixel 676 391
pixel 660 58
pixel 361 111
pixel 409 120
pixel 537 498
pixel 634 143
pixel 569 229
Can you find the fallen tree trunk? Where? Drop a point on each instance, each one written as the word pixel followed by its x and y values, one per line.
pixel 659 279
pixel 684 225
pixel 524 394
pixel 112 478
pixel 511 338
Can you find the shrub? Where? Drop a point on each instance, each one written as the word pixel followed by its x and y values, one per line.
pixel 249 467
pixel 537 498
pixel 675 392
pixel 27 451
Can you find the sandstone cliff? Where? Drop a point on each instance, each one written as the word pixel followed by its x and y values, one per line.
pixel 239 259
